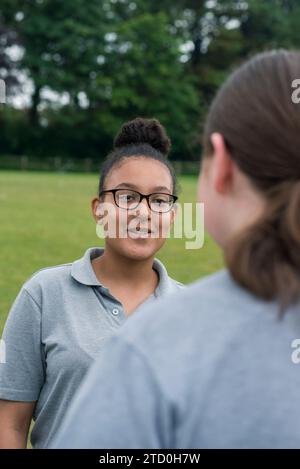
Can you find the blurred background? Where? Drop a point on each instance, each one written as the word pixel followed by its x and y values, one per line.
pixel 75 71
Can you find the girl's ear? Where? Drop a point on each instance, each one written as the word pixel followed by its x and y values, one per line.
pixel 222 164
pixel 96 209
pixel 99 214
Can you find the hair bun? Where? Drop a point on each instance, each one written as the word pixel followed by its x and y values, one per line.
pixel 141 131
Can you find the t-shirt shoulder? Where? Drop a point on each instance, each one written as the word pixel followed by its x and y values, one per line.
pixel 218 296
pixel 46 276
pixel 177 284
pixel 49 271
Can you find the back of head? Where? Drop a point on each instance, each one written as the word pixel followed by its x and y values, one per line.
pixel 260 123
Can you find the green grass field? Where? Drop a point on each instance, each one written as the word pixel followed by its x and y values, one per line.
pixel 46 220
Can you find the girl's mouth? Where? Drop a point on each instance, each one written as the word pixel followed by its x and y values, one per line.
pixel 139 232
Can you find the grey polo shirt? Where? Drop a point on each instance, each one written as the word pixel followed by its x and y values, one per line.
pixel 59 322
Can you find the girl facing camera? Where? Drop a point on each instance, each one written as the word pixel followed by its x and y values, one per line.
pixel 63 315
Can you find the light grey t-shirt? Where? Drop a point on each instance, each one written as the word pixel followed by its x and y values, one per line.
pixel 209 367
pixel 57 325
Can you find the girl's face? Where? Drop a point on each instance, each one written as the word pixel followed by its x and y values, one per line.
pixel 143 231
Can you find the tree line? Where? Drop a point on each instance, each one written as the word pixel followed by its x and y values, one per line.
pixel 90 65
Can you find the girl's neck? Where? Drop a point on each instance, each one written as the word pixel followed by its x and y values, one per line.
pixel 113 267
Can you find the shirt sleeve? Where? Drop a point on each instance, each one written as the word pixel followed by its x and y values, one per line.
pixel 120 405
pixel 22 364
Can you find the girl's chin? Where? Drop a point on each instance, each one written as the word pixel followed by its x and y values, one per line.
pixel 139 250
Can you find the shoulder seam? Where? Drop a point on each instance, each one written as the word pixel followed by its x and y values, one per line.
pixel 52 267
pixel 33 299
pixel 47 268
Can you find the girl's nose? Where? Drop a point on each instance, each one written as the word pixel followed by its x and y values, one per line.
pixel 143 209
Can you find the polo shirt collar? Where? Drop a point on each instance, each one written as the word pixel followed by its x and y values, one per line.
pixel 165 283
pixel 82 271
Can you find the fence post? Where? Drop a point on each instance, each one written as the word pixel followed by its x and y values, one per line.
pixel 87 165
pixel 24 163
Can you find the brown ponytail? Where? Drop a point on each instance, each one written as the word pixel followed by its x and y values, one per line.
pixel 260 123
pixel 265 257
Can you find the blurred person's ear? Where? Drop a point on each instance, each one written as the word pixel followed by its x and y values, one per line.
pixel 222 166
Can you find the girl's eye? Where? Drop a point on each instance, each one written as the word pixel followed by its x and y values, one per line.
pixel 127 199
pixel 160 201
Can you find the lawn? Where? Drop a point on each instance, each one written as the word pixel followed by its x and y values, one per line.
pixel 46 220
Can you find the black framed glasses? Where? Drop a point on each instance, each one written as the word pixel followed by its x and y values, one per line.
pixel 129 199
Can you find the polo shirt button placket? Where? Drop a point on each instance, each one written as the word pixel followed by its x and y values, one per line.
pixel 115 312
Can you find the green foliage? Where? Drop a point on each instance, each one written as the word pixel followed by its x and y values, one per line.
pixel 114 60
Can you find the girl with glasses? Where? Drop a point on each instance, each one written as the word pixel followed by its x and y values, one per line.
pixel 63 315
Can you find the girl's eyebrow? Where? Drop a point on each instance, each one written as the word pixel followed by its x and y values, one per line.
pixel 134 187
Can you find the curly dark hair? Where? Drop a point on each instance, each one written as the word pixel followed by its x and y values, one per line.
pixel 139 137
